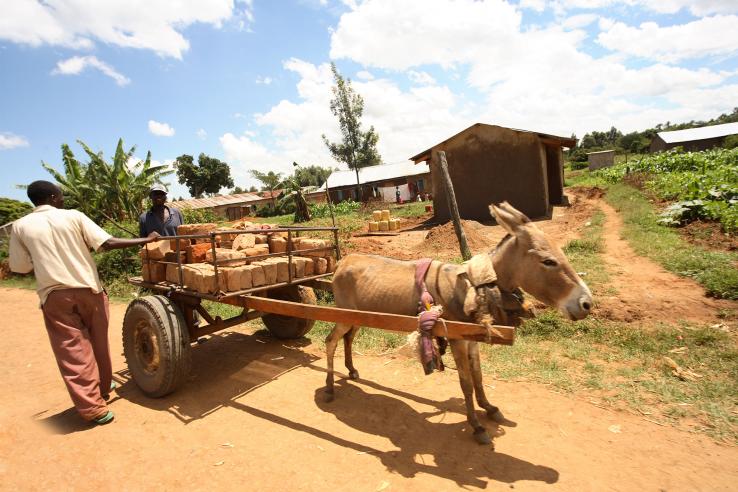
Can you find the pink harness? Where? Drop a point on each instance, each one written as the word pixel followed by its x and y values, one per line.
pixel 427 318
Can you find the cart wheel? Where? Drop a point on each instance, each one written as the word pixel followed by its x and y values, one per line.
pixel 156 345
pixel 287 326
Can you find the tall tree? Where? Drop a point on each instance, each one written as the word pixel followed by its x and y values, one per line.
pixel 237 190
pixel 357 148
pixel 311 175
pixel 270 181
pixel 105 190
pixel 209 175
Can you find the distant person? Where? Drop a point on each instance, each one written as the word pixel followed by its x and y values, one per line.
pixel 55 244
pixel 159 218
pixel 397 195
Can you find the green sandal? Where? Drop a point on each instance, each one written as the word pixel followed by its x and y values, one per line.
pixel 105 419
pixel 113 386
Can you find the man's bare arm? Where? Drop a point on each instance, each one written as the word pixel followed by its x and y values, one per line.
pixel 119 243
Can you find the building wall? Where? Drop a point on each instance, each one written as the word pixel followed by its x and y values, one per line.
pixel 599 160
pixel 342 193
pixel 491 165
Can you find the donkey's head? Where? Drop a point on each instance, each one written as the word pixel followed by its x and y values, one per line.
pixel 527 259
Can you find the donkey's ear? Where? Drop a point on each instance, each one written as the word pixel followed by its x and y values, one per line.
pixel 514 211
pixel 508 221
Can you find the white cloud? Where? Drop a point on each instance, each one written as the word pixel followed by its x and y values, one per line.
pixel 535 78
pixel 710 36
pixel 160 129
pixel 364 75
pixel 421 78
pixel 695 7
pixel 138 24
pixel 11 141
pixel 537 5
pixel 201 134
pixel 77 64
pixel 264 80
pixel 579 21
pixel 390 34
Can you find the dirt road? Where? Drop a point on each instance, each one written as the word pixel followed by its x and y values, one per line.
pixel 252 418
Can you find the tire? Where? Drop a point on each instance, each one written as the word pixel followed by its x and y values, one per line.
pixel 156 345
pixel 287 327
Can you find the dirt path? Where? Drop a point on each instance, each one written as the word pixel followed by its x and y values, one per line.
pixel 252 418
pixel 646 291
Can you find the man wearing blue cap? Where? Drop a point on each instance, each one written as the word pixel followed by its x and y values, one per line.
pixel 159 217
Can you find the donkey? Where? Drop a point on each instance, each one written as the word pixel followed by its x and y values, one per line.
pixel 472 292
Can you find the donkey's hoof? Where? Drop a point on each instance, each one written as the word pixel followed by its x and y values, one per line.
pixel 329 396
pixel 481 436
pixel 495 414
pixel 354 374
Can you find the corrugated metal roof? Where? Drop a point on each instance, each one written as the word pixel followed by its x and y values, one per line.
pixel 601 152
pixel 563 141
pixel 701 133
pixel 372 174
pixel 217 201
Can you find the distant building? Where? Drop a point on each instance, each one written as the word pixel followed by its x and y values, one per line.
pixel 232 207
pixel 694 139
pixel 491 164
pixel 603 158
pixel 380 182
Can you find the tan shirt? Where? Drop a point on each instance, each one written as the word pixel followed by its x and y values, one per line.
pixel 56 244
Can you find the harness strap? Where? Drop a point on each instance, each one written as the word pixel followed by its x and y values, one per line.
pixel 429 354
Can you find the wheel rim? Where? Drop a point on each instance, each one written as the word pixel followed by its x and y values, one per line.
pixel 146 343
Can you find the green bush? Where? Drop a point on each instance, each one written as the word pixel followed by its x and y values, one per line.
pixel 199 215
pixel 320 210
pixel 11 210
pixel 118 264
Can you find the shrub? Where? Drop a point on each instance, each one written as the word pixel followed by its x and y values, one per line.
pixel 199 215
pixel 11 210
pixel 319 210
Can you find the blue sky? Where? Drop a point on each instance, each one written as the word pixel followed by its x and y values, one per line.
pixel 249 81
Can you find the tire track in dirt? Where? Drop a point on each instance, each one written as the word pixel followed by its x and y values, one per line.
pixel 645 290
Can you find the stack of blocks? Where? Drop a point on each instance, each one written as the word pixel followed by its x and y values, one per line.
pixel 243 259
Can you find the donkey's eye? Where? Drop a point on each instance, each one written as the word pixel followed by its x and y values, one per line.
pixel 550 263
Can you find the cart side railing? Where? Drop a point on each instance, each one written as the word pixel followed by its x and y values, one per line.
pixel 215 262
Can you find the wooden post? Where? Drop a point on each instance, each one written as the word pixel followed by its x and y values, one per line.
pixel 453 208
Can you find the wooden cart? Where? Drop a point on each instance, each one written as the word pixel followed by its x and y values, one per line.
pixel 159 329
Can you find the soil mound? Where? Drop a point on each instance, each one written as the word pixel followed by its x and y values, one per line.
pixel 443 237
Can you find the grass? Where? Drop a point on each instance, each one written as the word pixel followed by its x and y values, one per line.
pixel 716 271
pixel 622 366
pixel 584 254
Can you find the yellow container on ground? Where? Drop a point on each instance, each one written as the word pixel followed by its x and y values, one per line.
pixel 385 215
pixel 373 226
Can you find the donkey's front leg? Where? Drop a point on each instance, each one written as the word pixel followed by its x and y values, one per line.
pixel 476 371
pixel 460 349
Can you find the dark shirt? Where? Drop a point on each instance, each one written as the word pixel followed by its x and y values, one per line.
pixel 150 222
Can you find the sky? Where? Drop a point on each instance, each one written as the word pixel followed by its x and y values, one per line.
pixel 249 81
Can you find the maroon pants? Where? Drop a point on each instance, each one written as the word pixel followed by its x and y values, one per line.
pixel 77 324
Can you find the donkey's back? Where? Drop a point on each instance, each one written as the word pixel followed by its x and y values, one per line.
pixel 375 283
